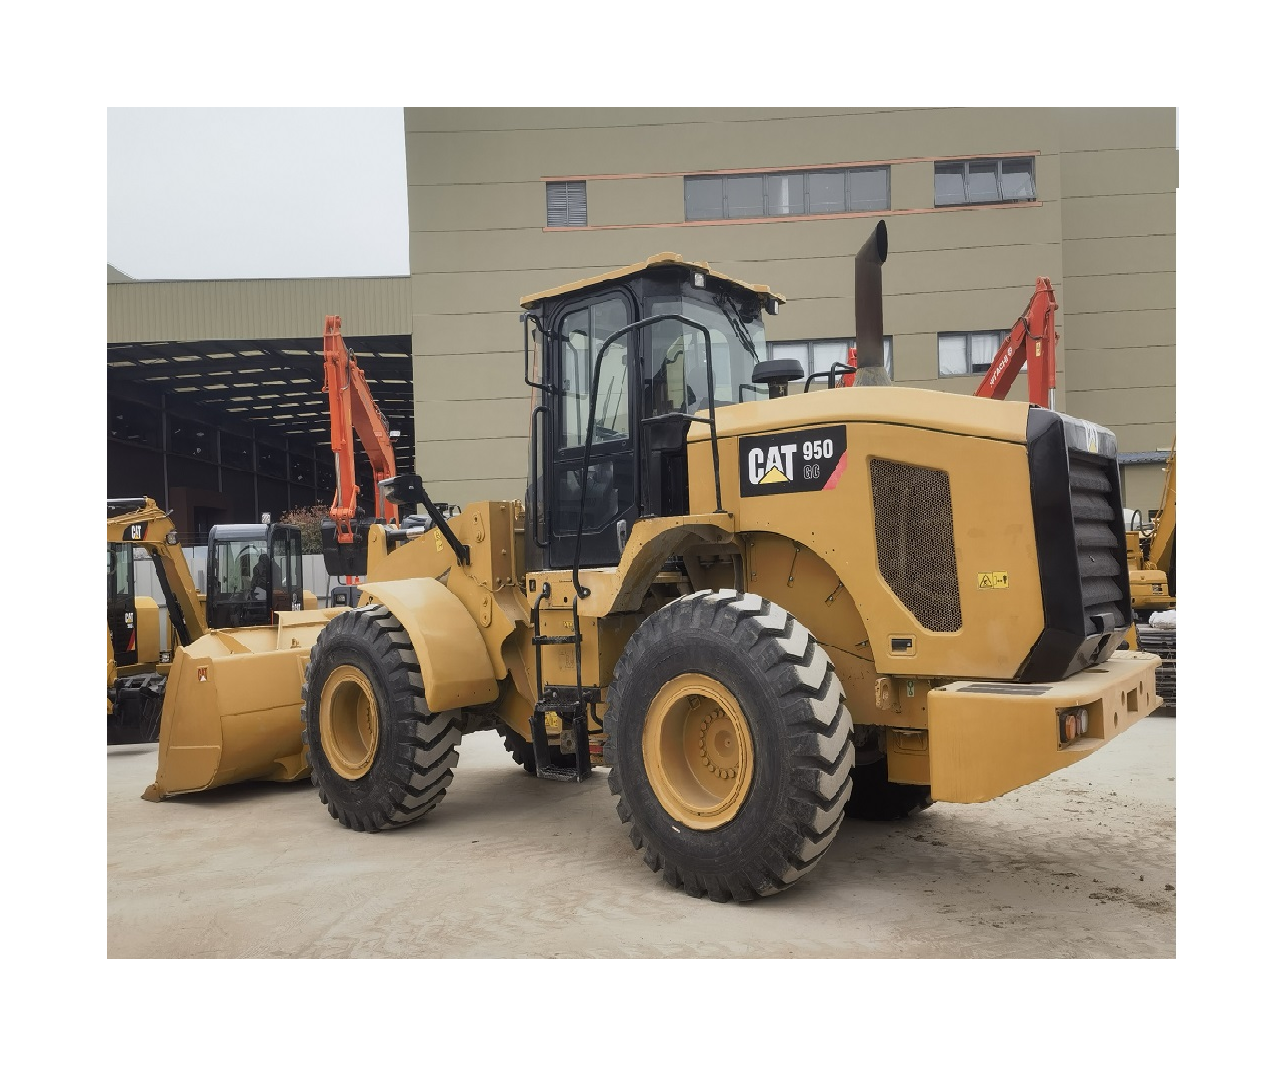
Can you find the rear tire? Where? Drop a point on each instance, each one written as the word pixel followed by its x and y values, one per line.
pixel 380 759
pixel 730 746
pixel 877 799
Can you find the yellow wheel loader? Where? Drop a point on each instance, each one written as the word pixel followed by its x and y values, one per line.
pixel 761 609
pixel 254 572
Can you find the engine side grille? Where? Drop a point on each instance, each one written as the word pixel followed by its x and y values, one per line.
pixel 915 541
pixel 1098 553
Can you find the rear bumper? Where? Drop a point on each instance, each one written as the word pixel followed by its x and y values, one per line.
pixel 986 738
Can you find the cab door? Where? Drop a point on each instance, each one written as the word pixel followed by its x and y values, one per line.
pixel 286 548
pixel 122 618
pixel 602 498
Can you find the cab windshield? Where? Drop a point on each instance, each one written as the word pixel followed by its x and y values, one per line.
pixel 674 369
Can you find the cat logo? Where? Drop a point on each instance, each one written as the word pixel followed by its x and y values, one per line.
pixel 136 532
pixel 801 461
pixel 201 673
pixel 773 467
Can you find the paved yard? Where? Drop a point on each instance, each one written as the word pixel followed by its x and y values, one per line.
pixel 1081 864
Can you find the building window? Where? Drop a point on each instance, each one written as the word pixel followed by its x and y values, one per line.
pixel 785 194
pixel 565 203
pixel 984 181
pixel 968 353
pixel 815 356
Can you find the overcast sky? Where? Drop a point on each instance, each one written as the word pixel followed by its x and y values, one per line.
pixel 230 192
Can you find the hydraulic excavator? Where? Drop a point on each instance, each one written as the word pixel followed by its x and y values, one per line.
pixel 1033 343
pixel 760 614
pixel 346 533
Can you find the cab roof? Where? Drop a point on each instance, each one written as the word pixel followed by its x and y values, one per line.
pixel 661 259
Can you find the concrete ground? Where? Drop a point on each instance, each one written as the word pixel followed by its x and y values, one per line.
pixel 1081 864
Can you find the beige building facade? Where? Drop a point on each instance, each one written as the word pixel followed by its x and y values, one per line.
pixel 979 202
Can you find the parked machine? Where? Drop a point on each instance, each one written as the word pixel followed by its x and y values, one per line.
pixel 353 410
pixel 1152 586
pixel 254 572
pixel 759 613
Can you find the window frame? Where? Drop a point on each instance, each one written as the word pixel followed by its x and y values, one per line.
pixel 997 164
pixel 810 366
pixel 569 215
pixel 766 212
pixel 973 370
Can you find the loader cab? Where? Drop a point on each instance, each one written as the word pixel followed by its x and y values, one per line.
pixel 253 573
pixel 668 340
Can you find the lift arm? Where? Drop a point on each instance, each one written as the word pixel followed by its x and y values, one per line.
pixel 352 407
pixel 142 523
pixel 1033 342
pixel 1159 547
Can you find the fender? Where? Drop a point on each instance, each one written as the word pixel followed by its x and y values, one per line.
pixel 453 657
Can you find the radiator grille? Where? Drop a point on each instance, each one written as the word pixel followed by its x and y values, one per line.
pixel 1099 554
pixel 915 541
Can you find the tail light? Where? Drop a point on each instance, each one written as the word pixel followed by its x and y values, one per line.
pixel 1073 723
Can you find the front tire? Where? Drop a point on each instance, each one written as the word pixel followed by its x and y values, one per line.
pixel 380 759
pixel 877 799
pixel 730 745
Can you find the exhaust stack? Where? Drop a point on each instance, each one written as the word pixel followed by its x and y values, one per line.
pixel 868 308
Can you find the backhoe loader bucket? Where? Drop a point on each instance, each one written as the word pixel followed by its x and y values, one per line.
pixel 231 710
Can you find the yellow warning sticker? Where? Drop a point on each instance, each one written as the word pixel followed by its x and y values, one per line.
pixel 994 579
pixel 437 539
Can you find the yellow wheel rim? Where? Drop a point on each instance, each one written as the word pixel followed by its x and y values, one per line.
pixel 349 722
pixel 697 751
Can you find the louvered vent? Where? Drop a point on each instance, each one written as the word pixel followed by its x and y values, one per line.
pixel 1098 550
pixel 565 203
pixel 914 541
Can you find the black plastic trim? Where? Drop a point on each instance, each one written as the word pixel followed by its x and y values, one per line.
pixel 1064 646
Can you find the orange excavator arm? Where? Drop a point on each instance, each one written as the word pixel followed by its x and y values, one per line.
pixel 353 408
pixel 1032 342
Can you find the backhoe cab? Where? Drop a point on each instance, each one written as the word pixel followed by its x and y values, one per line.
pixel 759 615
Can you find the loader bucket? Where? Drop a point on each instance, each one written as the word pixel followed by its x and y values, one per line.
pixel 231 710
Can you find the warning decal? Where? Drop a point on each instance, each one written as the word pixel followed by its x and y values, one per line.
pixel 994 579
pixel 801 461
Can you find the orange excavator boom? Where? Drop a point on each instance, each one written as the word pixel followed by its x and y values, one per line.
pixel 1033 343
pixel 353 409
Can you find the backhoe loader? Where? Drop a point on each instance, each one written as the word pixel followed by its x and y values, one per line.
pixel 760 610
pixel 254 571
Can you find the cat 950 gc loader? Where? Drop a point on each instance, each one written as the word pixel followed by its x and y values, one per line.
pixel 760 608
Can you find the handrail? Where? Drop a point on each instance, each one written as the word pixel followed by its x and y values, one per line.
pixel 534 518
pixel 633 327
pixel 835 370
pixel 525 317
